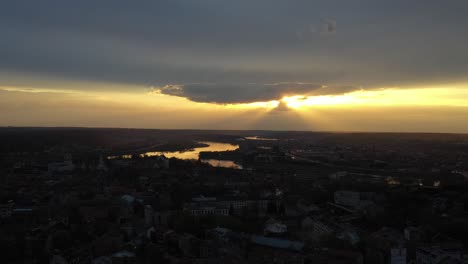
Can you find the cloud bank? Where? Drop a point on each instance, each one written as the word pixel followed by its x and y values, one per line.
pixel 241 51
pixel 247 93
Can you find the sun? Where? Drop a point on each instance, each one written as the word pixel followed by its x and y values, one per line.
pixel 294 102
pixel 303 102
pixel 299 102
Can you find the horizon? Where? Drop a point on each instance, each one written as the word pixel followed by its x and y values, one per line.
pixel 207 131
pixel 235 130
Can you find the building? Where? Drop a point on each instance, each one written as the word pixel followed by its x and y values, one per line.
pixel 202 205
pixel 6 209
pixel 355 200
pixel 274 227
pixel 398 255
pixel 62 166
pixel 123 257
pixel 314 229
pixel 338 175
pixel 434 254
pixel 413 233
pixel 274 250
pixel 386 246
pixel 149 215
pixel 201 209
pixel 101 165
pixel 333 256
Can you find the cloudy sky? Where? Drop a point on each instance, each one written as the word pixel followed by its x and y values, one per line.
pixel 360 65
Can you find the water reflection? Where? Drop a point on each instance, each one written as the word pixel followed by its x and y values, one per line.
pixel 223 163
pixel 259 138
pixel 193 154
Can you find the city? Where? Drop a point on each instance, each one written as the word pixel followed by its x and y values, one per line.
pixel 243 132
pixel 249 197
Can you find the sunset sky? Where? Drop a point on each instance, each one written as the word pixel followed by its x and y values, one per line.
pixel 334 65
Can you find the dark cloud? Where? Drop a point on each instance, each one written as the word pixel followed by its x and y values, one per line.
pixel 380 44
pixel 247 93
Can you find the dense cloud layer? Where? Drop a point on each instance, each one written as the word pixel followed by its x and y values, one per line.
pixel 247 93
pixel 218 49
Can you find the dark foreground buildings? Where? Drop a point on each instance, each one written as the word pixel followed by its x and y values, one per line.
pixel 296 199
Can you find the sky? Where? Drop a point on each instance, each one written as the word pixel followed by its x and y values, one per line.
pixel 321 65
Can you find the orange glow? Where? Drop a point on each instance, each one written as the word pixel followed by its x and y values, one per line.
pixel 436 96
pixel 268 104
pixel 437 109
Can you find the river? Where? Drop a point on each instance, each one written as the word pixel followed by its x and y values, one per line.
pixel 194 153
